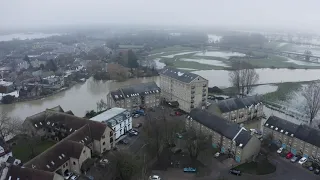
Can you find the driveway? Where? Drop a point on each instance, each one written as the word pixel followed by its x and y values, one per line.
pixel 285 171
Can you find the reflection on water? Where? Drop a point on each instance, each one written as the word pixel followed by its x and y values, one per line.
pixel 79 98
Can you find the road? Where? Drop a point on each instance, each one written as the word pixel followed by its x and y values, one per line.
pixel 285 171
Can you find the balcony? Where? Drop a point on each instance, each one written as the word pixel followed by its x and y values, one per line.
pixel 204 90
pixel 204 95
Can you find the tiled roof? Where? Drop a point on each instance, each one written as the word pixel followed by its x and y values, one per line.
pixel 117 95
pixel 279 124
pixel 82 135
pixel 237 103
pixel 17 172
pixel 216 123
pixel 179 75
pixel 57 155
pixel 243 138
pixel 140 89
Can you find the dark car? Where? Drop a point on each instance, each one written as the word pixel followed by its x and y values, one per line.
pixel 311 168
pixel 138 125
pixel 124 141
pixel 235 172
pixel 295 158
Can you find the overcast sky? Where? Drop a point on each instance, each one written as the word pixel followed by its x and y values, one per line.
pixel 255 13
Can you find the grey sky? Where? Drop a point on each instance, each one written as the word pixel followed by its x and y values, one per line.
pixel 259 13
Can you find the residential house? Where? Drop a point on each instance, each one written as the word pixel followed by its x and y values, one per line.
pixel 60 125
pixel 30 90
pixel 118 119
pixel 238 109
pixel 23 173
pixel 299 139
pixel 135 96
pixel 55 82
pixel 63 157
pixel 228 136
pixel 6 86
pixel 5 151
pixel 188 89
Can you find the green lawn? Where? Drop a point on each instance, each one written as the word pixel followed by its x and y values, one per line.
pixel 22 151
pixel 261 168
pixel 284 92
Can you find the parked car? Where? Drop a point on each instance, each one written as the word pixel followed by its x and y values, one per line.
pixel 289 155
pixel 279 150
pixel 311 168
pixel 303 160
pixel 235 172
pixel 217 154
pixel 136 115
pixel 317 171
pixel 133 132
pixel 179 135
pixel 138 125
pixel 124 141
pixel 176 150
pixel 68 175
pixel 295 158
pixel 154 177
pixel 74 177
pixel 103 162
pixel 189 169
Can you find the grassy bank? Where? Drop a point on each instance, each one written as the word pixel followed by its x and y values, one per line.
pixel 284 91
pixel 258 168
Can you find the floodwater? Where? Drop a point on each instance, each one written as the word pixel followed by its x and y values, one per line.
pixel 225 55
pixel 79 98
pixel 264 89
pixel 220 78
pixel 213 38
pixel 177 54
pixel 302 63
pixel 206 61
pixel 159 65
pixel 24 36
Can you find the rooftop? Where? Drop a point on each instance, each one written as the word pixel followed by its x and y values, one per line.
pixel 5 83
pixel 216 123
pixel 232 104
pixel 179 75
pixel 22 173
pixel 108 114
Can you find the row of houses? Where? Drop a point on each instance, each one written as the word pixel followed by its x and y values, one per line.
pixel 77 139
pixel 299 139
pixel 227 136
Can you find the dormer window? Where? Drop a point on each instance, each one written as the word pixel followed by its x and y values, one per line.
pixel 60 157
pixel 52 162
pixel 63 155
pixel 35 125
pixel 48 166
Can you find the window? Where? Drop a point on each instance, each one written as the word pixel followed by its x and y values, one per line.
pixel 103 143
pixel 66 164
pixel 120 125
pixel 103 136
pixel 84 151
pixel 120 131
pixel 74 163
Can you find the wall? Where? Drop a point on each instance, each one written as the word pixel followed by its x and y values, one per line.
pixel 105 142
pixel 251 149
pixel 57 177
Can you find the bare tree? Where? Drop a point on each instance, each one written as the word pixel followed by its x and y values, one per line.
pixel 196 142
pixel 101 105
pixel 312 95
pixel 8 126
pixel 243 77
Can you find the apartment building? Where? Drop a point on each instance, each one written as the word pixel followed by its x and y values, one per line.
pixel 188 89
pixel 135 96
pixel 118 119
pixel 299 139
pixel 228 136
pixel 238 110
pixel 24 173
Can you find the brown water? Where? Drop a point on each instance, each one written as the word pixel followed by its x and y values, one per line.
pixel 79 98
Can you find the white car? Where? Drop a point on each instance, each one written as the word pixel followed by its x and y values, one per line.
pixel 303 160
pixel 68 175
pixel 154 177
pixel 280 150
pixel 74 177
pixel 217 154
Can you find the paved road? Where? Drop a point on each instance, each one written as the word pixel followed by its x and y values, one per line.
pixel 285 171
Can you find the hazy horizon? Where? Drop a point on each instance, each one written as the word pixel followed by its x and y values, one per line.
pixel 271 14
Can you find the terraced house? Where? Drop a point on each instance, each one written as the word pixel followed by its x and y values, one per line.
pixel 238 110
pixel 188 89
pixel 135 96
pixel 229 137
pixel 299 139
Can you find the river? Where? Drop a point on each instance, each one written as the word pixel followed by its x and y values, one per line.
pixel 79 98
